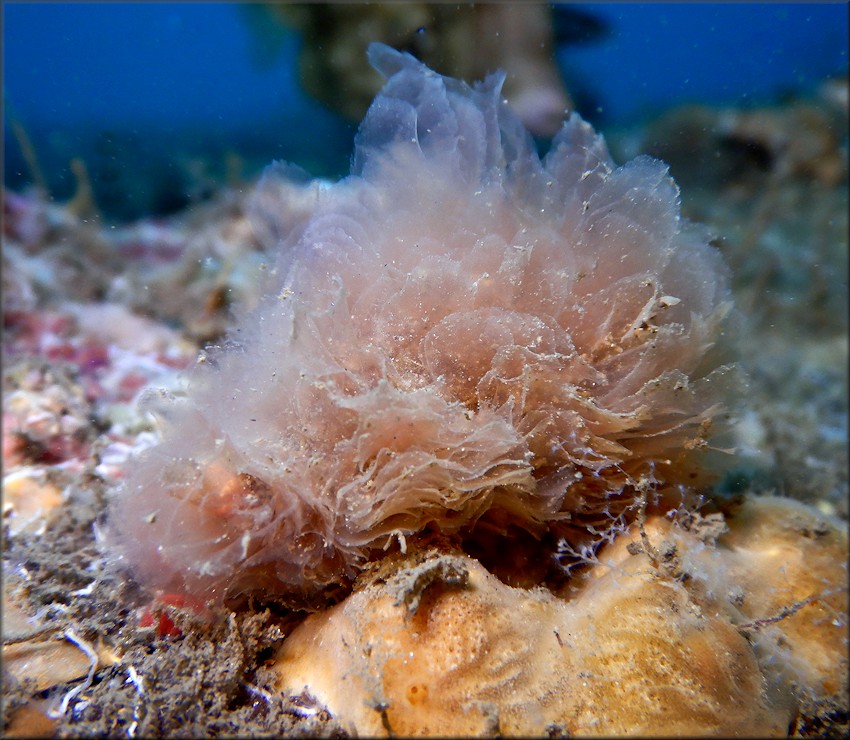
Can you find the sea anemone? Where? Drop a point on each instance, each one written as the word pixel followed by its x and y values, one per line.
pixel 459 337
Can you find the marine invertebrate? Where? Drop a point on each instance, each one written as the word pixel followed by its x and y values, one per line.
pixel 460 336
pixel 754 632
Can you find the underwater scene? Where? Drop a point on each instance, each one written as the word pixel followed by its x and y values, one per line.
pixel 425 369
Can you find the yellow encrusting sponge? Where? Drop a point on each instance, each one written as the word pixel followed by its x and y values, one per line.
pixel 709 640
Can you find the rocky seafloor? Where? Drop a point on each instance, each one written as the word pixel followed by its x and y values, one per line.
pixel 95 313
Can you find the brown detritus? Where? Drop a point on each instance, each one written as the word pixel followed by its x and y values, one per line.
pixel 218 301
pixel 708 527
pixel 784 612
pixel 381 708
pixel 203 683
pixel 822 718
pixel 662 557
pixel 442 571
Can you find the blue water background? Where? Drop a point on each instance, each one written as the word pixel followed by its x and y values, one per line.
pixel 160 78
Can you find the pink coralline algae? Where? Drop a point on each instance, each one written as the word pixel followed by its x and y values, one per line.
pixel 459 337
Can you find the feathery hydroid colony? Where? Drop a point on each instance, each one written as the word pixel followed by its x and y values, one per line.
pixel 458 336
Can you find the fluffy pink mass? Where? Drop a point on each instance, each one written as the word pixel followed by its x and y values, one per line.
pixel 459 336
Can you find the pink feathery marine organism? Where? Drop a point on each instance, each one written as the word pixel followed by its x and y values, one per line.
pixel 458 337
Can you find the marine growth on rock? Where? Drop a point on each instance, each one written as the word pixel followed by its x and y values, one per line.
pixel 461 336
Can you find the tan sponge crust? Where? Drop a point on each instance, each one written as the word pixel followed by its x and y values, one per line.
pixel 718 638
